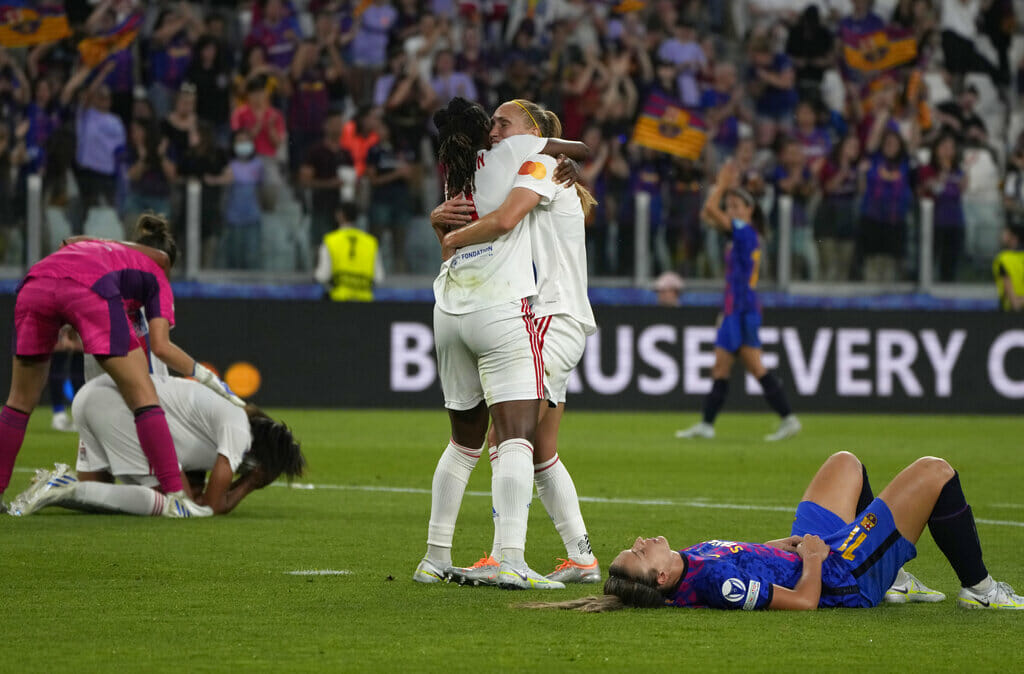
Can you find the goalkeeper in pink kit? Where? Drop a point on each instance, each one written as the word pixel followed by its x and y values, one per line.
pixel 91 284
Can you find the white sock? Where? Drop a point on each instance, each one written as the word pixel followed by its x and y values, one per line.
pixel 492 453
pixel 450 478
pixel 130 499
pixel 513 489
pixel 984 587
pixel 558 494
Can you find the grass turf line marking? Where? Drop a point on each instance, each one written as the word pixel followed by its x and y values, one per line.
pixel 694 503
pixel 319 572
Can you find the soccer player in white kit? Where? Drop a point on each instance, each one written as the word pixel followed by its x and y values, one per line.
pixel 210 433
pixel 488 346
pixel 564 319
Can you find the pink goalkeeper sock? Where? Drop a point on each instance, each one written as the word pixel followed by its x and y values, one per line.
pixel 157 445
pixel 12 434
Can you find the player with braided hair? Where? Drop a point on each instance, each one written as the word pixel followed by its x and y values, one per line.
pixel 210 433
pixel 845 549
pixel 488 347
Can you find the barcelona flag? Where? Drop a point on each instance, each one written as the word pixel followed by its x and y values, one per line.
pixel 24 23
pixel 667 127
pixel 879 52
pixel 96 50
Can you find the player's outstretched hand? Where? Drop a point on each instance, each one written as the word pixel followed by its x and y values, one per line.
pixel 812 547
pixel 204 376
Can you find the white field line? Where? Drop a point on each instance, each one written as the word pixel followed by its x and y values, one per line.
pixel 695 503
pixel 692 503
pixel 319 572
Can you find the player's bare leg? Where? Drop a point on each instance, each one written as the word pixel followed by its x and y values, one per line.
pixel 837 485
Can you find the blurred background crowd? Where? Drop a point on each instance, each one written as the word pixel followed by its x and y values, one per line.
pixel 283 110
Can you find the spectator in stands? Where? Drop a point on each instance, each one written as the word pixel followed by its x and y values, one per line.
pixel 814 140
pixel 209 72
pixel 277 30
pixel 388 171
pixel 669 287
pixel 448 83
pixel 204 157
pixel 861 21
pixel 348 262
pixel 255 66
pixel 835 225
pixel 242 241
pixel 683 52
pixel 369 47
pixel 721 106
pixel 180 125
pixel 320 173
pixel 100 136
pixel 959 22
pixel 360 134
pixel 406 99
pixel 1008 269
pixel 943 181
pixel 264 126
pixel 44 115
pixel 1013 185
pixel 581 89
pixel 887 199
pixel 169 54
pixel 477 62
pixel 120 77
pixel 771 81
pixel 427 38
pixel 792 177
pixel 960 116
pixel 12 156
pixel 310 100
pixel 150 172
pixel 811 47
pixel 682 219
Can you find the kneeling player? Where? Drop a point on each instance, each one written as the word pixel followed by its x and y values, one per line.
pixel 846 547
pixel 210 433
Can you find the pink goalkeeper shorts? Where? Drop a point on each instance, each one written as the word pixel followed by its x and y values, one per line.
pixel 46 304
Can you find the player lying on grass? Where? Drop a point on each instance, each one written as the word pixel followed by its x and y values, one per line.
pixel 210 434
pixel 839 554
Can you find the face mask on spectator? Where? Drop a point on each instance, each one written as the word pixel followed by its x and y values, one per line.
pixel 244 148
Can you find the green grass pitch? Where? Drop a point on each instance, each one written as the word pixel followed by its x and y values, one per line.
pixel 98 593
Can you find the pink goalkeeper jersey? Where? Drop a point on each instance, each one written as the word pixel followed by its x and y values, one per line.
pixel 112 270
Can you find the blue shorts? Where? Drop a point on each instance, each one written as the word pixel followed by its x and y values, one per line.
pixel 739 330
pixel 871 547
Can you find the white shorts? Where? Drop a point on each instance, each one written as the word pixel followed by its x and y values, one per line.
pixel 100 412
pixel 492 355
pixel 562 341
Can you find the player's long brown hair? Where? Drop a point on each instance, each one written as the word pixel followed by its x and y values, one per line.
pixel 550 126
pixel 620 591
pixel 462 130
pixel 154 231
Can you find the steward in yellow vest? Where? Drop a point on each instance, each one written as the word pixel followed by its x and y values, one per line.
pixel 347 264
pixel 1008 269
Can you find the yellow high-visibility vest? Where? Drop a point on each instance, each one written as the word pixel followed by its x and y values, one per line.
pixel 1012 261
pixel 353 258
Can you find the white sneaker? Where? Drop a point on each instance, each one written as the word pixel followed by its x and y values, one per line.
pixel 701 430
pixel 908 590
pixel 48 487
pixel 571 571
pixel 1001 596
pixel 428 572
pixel 484 572
pixel 788 427
pixel 524 578
pixel 61 421
pixel 178 504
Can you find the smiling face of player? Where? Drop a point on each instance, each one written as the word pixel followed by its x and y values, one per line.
pixel 647 556
pixel 510 120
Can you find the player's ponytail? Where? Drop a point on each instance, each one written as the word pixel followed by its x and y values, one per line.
pixel 154 231
pixel 620 591
pixel 550 126
pixel 462 130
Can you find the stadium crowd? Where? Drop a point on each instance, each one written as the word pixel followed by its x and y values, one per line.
pixel 285 109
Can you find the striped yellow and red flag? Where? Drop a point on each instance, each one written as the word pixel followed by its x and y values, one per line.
pixel 23 24
pixel 667 127
pixel 96 50
pixel 878 52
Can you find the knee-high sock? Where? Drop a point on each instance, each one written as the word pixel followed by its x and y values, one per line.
pixel 12 433
pixel 492 453
pixel 715 399
pixel 866 495
pixel 450 477
pixel 513 491
pixel 129 499
pixel 558 494
pixel 158 446
pixel 952 526
pixel 774 394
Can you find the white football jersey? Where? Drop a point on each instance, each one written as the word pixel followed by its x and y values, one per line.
pixel 202 423
pixel 559 239
pixel 499 271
